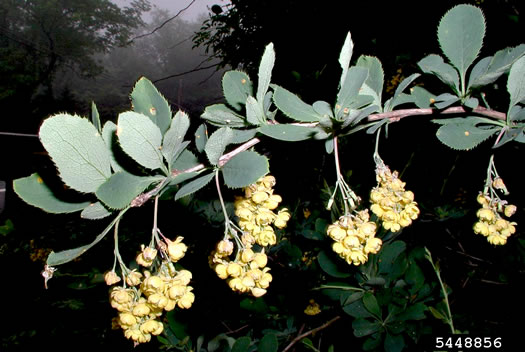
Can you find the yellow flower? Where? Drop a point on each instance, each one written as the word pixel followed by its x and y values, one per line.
pixel 146 256
pixel 111 278
pixel 176 249
pixel 152 326
pixel 313 308
pixel 486 214
pixel 373 245
pixel 186 300
pixel 133 278
pixel 510 210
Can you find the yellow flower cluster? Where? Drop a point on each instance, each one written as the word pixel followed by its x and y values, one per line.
pixel 247 273
pixel 255 211
pixel 354 237
pixel 390 202
pixel 491 224
pixel 148 295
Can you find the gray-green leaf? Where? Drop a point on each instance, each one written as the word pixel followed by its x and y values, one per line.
pixel 35 192
pixel 194 186
pixel 174 137
pixel 285 132
pixel 78 151
pixel 221 115
pixel 292 106
pixel 374 83
pixel 463 135
pixel 516 82
pixel 265 72
pixel 460 34
pixel 217 144
pixel 254 112
pixel 147 100
pixel 95 211
pixel 121 188
pixel 236 86
pixel 141 139
pixel 244 169
pixel 345 56
pixel 489 69
pixel 435 65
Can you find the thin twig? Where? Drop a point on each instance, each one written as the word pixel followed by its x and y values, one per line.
pixel 310 332
pixel 162 24
pixel 185 72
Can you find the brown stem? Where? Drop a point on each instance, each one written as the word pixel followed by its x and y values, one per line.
pixel 310 332
pixel 398 114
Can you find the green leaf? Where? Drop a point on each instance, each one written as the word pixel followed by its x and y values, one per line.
pixel 236 86
pixel 438 314
pixel 95 211
pixel 414 276
pixel 405 83
pixel 355 78
pixel 389 254
pixel 489 69
pixel 174 136
pixel 422 97
pixel 244 169
pixel 434 64
pixel 323 109
pixel 351 297
pixel 357 310
pixel 34 191
pixel 463 134
pixel 413 312
pixel 186 160
pixel 194 186
pixel 141 139
pixel 516 82
pixel 509 135
pixel 460 35
pixel 201 137
pixel 241 136
pixel 95 117
pixel 68 255
pixel 265 72
pixel 293 107
pixel 254 112
pixel 374 83
pixel 217 144
pixel 221 115
pixel 345 56
pixel 370 303
pixel 286 132
pixel 268 343
pixel 394 343
pixel 331 267
pixel 363 327
pixel 471 103
pixel 109 134
pixel 444 100
pixel 121 188
pixel 78 151
pixel 242 344
pixel 147 100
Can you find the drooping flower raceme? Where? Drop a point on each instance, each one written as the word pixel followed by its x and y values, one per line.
pixel 491 223
pixel 141 305
pixel 243 265
pixel 354 237
pixel 391 202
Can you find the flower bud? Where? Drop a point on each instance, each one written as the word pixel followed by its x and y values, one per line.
pixel 134 278
pixel 498 183
pixel 111 278
pixel 510 210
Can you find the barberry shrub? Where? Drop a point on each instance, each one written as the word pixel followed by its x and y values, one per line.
pixel 389 295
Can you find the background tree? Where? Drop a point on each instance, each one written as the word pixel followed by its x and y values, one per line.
pixel 39 37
